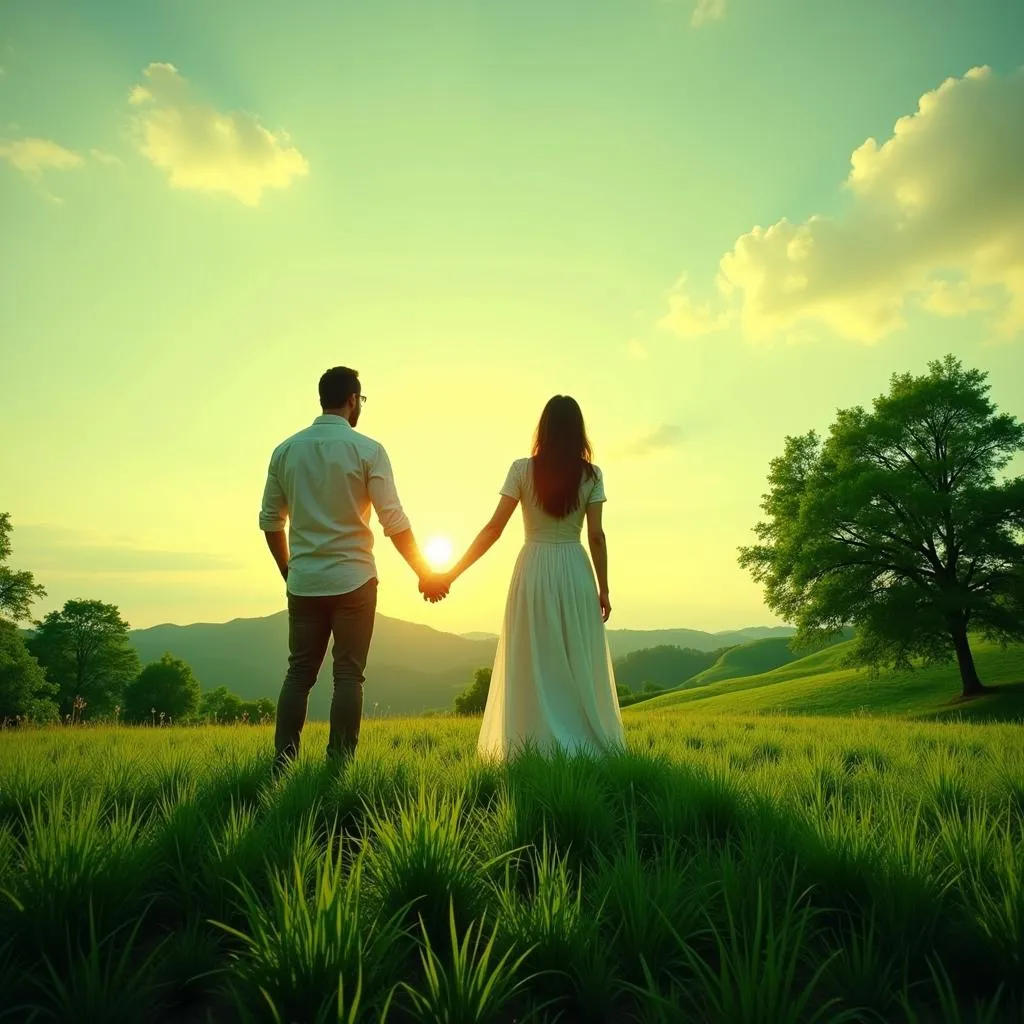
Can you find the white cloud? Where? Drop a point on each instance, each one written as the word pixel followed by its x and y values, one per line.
pixel 201 148
pixel 707 10
pixel 689 319
pixel 33 156
pixel 935 220
pixel 637 350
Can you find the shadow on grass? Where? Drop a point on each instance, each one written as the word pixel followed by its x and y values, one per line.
pixel 1001 703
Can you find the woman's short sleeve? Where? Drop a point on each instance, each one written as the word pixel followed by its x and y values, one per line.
pixel 597 491
pixel 513 486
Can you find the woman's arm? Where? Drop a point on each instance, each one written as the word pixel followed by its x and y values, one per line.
pixel 599 553
pixel 486 537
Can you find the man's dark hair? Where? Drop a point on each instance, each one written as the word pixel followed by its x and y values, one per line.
pixel 337 386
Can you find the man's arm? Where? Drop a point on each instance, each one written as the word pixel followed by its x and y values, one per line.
pixel 274 518
pixel 384 496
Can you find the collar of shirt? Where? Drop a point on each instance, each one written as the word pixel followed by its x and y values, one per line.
pixel 329 417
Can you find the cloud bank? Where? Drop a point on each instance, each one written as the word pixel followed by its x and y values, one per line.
pixel 201 148
pixel 935 221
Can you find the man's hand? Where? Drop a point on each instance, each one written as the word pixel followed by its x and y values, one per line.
pixel 277 541
pixel 434 587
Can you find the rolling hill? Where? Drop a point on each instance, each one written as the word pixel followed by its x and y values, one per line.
pixel 749 659
pixel 820 684
pixel 411 667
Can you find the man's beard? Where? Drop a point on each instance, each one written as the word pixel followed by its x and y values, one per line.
pixel 353 418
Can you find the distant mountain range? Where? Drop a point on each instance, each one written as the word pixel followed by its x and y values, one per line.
pixel 411 667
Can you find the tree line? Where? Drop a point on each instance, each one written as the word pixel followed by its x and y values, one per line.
pixel 78 664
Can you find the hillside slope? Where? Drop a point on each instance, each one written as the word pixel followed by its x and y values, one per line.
pixel 820 684
pixel 751 659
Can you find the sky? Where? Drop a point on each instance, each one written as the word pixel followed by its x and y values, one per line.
pixel 713 222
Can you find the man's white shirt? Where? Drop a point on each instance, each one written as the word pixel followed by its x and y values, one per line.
pixel 322 483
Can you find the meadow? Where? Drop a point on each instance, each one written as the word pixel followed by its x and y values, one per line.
pixel 749 869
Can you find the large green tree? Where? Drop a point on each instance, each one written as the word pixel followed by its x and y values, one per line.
pixel 85 650
pixel 165 687
pixel 901 523
pixel 24 688
pixel 17 589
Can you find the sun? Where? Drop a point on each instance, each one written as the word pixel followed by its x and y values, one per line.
pixel 439 552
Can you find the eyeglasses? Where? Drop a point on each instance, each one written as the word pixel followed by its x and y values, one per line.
pixel 362 399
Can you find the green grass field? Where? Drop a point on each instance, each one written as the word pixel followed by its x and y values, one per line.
pixel 725 869
pixel 819 684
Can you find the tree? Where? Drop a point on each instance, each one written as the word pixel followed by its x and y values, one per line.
pixel 473 699
pixel 900 525
pixel 85 650
pixel 220 705
pixel 167 685
pixel 24 689
pixel 17 589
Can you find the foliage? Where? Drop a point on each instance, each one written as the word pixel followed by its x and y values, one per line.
pixel 167 688
pixel 221 705
pixel 899 524
pixel 663 667
pixel 473 699
pixel 736 869
pixel 85 650
pixel 17 589
pixel 24 689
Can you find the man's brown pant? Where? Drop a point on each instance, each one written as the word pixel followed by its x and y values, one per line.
pixel 311 622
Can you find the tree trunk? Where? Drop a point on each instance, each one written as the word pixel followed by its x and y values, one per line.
pixel 971 684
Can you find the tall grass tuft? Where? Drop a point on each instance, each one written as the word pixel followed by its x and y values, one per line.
pixel 310 943
pixel 469 983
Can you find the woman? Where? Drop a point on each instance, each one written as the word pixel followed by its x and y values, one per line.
pixel 552 685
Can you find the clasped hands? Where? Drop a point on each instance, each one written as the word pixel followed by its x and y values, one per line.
pixel 434 586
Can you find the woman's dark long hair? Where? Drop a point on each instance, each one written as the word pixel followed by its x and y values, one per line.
pixel 561 456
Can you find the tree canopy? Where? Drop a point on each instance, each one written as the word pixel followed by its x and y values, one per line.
pixel 17 589
pixel 165 687
pixel 900 524
pixel 24 689
pixel 85 650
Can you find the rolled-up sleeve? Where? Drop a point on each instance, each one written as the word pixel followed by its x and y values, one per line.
pixel 380 483
pixel 274 510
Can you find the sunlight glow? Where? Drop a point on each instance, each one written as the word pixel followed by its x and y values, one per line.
pixel 439 552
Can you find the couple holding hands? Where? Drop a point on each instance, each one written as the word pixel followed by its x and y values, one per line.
pixel 552 685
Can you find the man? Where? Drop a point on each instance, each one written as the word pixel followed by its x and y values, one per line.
pixel 324 479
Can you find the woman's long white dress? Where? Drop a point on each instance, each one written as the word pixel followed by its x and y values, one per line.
pixel 552 685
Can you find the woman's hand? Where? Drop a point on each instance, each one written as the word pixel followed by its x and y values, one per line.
pixel 606 605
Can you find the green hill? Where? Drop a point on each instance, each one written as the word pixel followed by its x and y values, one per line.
pixel 750 659
pixel 820 684
pixel 745 660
